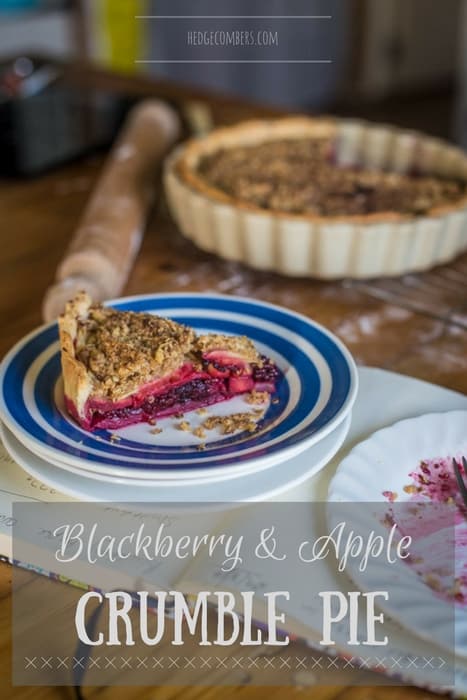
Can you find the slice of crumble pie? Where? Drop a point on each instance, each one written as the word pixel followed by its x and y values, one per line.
pixel 124 367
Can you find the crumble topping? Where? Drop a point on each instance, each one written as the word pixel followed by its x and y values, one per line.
pixel 299 176
pixel 240 346
pixel 124 349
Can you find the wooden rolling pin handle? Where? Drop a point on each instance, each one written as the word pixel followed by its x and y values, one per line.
pixel 109 236
pixel 57 296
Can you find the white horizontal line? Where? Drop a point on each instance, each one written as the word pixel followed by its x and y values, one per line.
pixel 233 16
pixel 232 61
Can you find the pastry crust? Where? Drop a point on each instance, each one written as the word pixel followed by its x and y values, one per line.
pixel 255 132
pixel 78 384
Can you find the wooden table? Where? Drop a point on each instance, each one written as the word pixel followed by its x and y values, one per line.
pixel 416 325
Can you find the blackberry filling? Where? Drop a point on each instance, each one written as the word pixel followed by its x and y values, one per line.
pixel 189 396
pixel 181 399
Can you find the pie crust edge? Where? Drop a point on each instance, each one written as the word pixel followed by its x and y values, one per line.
pixel 78 385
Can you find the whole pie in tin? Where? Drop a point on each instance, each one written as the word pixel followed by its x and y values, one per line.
pixel 321 197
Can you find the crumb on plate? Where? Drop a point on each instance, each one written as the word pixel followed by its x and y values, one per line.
pixel 255 397
pixel 411 488
pixel 230 424
pixel 199 432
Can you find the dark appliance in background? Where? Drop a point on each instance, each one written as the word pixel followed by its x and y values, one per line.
pixel 45 122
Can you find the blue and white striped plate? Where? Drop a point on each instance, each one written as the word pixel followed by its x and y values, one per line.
pixel 316 393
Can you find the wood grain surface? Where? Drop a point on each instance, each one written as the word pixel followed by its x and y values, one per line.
pixel 416 325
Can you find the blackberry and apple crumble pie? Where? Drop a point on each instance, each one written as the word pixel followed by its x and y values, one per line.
pixel 124 367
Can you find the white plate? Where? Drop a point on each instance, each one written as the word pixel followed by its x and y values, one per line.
pixel 383 463
pixel 315 393
pixel 307 456
pixel 252 487
pixel 171 435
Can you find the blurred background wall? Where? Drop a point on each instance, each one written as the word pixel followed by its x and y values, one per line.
pixel 379 48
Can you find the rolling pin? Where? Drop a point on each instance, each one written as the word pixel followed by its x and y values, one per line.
pixel 103 248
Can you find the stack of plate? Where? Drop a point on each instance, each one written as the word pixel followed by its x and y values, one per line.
pixel 302 429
